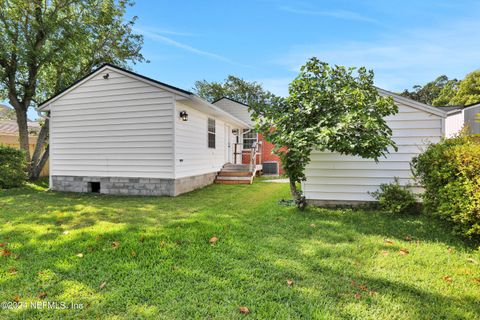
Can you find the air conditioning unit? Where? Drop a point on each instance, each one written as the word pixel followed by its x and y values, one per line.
pixel 270 167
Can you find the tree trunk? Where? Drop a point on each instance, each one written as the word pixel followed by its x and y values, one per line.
pixel 37 168
pixel 299 199
pixel 23 133
pixel 38 162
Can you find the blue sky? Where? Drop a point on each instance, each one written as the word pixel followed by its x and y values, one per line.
pixel 404 42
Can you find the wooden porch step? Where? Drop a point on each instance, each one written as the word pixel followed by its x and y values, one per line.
pixel 224 173
pixel 235 174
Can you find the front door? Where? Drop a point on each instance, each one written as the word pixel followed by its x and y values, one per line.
pixel 228 144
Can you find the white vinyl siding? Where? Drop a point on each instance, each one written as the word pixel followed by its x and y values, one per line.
pixel 192 155
pixel 119 127
pixel 331 176
pixel 236 109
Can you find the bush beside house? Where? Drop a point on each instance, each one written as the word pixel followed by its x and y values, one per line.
pixel 12 168
pixel 450 173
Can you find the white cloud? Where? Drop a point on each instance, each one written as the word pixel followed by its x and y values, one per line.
pixel 159 37
pixel 338 14
pixel 401 59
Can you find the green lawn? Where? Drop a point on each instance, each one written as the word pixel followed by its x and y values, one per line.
pixel 146 257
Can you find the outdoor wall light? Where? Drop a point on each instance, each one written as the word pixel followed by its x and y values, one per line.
pixel 235 132
pixel 184 115
pixel 106 76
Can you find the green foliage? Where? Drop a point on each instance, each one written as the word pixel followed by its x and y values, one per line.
pixel 328 108
pixel 233 87
pixel 437 92
pixel 450 173
pixel 395 198
pixel 468 90
pixel 12 168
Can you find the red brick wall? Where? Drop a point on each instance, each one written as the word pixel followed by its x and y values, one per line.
pixel 267 154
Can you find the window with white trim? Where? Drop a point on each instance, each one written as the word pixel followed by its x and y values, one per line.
pixel 249 138
pixel 211 133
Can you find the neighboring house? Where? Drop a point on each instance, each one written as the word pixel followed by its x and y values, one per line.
pixel 9 136
pixel 271 163
pixel 459 117
pixel 333 178
pixel 117 132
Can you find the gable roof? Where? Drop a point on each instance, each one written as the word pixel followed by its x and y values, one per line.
pixel 106 66
pixel 412 103
pixel 10 127
pixel 233 100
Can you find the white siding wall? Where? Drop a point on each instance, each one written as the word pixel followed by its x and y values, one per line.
pixel 192 155
pixel 120 127
pixel 454 123
pixel 237 109
pixel 336 177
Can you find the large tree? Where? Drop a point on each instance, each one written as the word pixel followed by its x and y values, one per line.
pixel 435 92
pixel 232 87
pixel 468 91
pixel 328 109
pixel 46 45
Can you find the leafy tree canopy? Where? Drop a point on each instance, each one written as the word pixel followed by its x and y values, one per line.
pixel 46 45
pixel 233 87
pixel 448 92
pixel 468 91
pixel 434 92
pixel 329 108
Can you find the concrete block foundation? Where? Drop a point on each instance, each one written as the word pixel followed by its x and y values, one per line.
pixel 132 186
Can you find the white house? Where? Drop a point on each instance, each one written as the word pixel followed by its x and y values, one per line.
pixel 117 132
pixel 333 178
pixel 460 117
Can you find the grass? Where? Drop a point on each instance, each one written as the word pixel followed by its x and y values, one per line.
pixel 150 258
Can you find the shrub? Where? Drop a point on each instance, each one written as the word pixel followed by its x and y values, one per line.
pixel 396 199
pixel 12 168
pixel 450 173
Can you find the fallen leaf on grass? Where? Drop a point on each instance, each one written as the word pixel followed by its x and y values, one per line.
pixel 65 232
pixel 408 238
pixel 290 282
pixel 363 288
pixel 102 285
pixel 447 278
pixel 133 253
pixel 403 251
pixel 372 293
pixel 115 244
pixel 16 298
pixel 80 255
pixel 3 244
pixel 387 241
pixel 477 280
pixel 12 271
pixel 385 252
pixel 313 225
pixel 451 250
pixel 5 252
pixel 358 296
pixel 244 310
pixel 471 260
pixel 213 240
pixel 42 295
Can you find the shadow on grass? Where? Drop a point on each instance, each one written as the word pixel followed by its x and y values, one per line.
pixel 164 265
